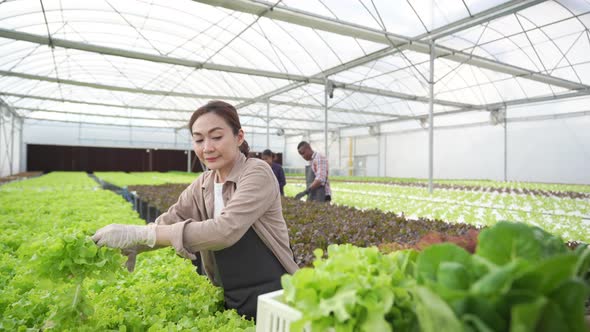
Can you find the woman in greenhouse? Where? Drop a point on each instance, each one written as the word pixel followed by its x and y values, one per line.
pixel 231 215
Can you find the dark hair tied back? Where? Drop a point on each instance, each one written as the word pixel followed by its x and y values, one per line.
pixel 245 148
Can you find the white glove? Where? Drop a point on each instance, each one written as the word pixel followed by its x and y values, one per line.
pixel 125 236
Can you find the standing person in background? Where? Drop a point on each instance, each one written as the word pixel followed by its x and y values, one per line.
pixel 231 214
pixel 316 175
pixel 276 168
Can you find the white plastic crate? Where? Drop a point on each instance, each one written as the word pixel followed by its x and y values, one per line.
pixel 272 315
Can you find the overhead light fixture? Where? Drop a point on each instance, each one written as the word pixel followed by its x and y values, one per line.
pixel 374 130
pixel 497 116
pixel 424 123
pixel 330 88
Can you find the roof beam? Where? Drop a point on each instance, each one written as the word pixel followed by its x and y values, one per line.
pixel 488 107
pixel 319 78
pixel 532 100
pixel 273 102
pixel 199 96
pixel 159 109
pixel 118 125
pixel 487 123
pixel 311 20
pixel 299 79
pixel 333 109
pixel 125 117
pixel 399 95
pixel 100 124
pixel 487 15
pixel 56 42
pixel 9 108
pixel 116 88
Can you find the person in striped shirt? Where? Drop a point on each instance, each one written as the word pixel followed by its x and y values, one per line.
pixel 316 174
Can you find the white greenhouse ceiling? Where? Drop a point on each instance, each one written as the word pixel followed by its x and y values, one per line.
pixel 151 63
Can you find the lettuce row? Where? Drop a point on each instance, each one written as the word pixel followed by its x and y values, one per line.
pixel 53 277
pixel 521 278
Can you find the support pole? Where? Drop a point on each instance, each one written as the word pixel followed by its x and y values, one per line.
pixel 1 133
pixel 430 119
pixel 379 155
pixel 11 160
pixel 284 150
pixel 385 157
pixel 339 152
pixel 22 166
pixel 505 146
pixel 188 161
pixel 326 92
pixel 150 154
pixel 268 123
pixel 350 156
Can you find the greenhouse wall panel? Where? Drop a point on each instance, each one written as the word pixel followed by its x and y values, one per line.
pixel 10 143
pixel 550 151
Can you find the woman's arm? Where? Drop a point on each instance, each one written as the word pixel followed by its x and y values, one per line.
pixel 253 197
pixel 184 208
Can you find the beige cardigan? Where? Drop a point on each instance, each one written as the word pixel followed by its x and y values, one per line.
pixel 251 197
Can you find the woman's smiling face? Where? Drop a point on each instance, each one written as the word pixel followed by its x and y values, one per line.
pixel 215 143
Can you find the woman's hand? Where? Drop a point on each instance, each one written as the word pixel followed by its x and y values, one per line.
pixel 133 240
pixel 125 236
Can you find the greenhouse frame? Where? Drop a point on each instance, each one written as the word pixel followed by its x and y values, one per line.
pixel 295 165
pixel 115 74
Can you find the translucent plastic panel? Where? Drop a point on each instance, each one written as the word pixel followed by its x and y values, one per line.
pixel 300 125
pixel 16 52
pixel 339 115
pixel 358 107
pixel 545 38
pixel 551 107
pixel 398 17
pixel 576 6
pixel 289 48
pixel 476 6
pixel 408 18
pixel 22 15
pixel 476 82
pixel 347 10
pixel 285 111
pixel 463 118
pixel 536 89
pixel 500 91
pixel 486 93
pixel 77 113
pixel 252 117
pixel 82 94
pixel 102 119
pixel 294 113
pixel 307 94
pixel 544 13
pixel 385 106
pixel 437 13
pixel 531 39
pixel 401 126
pixel 397 73
pixel 183 28
pixel 130 73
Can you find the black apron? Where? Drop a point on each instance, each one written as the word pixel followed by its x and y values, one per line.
pixel 319 194
pixel 247 269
